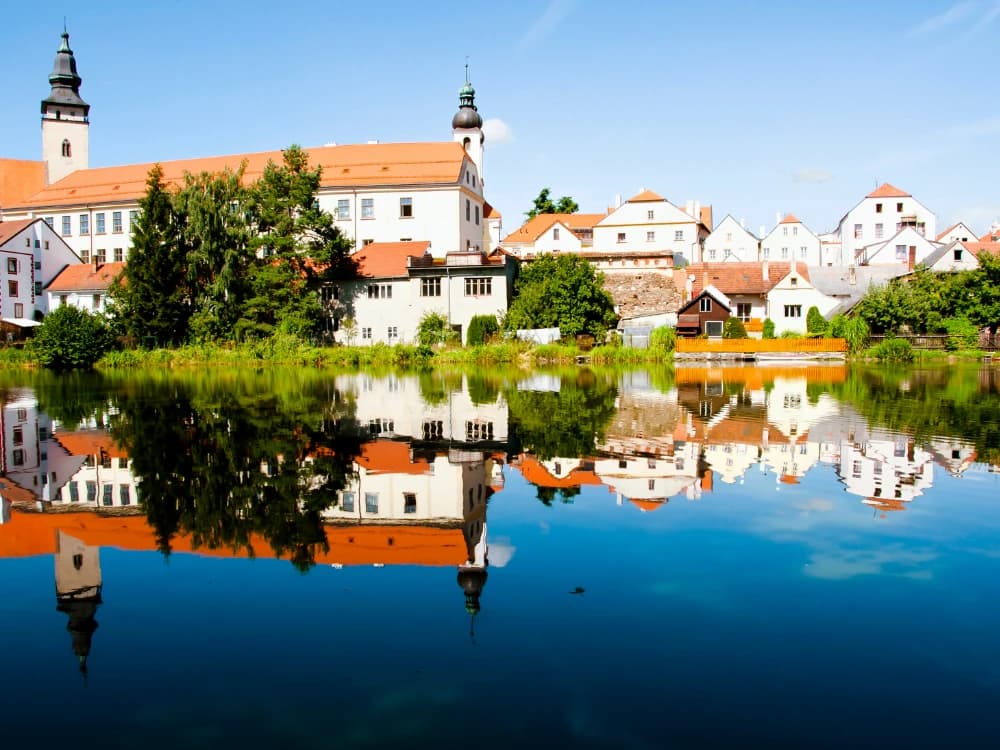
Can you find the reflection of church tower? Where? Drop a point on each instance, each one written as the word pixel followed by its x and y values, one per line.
pixel 472 573
pixel 78 591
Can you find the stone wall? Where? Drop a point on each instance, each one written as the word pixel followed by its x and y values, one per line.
pixel 642 293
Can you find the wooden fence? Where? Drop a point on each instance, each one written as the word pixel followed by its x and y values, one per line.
pixel 761 346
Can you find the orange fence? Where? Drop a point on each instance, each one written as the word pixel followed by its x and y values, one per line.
pixel 756 377
pixel 759 346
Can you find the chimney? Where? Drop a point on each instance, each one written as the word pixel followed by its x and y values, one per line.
pixel 765 271
pixel 912 260
pixel 689 208
pixel 852 275
pixel 696 213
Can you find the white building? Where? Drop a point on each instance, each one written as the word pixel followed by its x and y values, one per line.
pixel 31 255
pixel 880 215
pixel 731 241
pixel 789 301
pixel 650 225
pixel 83 285
pixel 789 241
pixel 955 256
pixel 908 246
pixel 957 232
pixel 553 233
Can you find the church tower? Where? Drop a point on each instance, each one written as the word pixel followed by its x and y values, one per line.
pixel 467 125
pixel 65 119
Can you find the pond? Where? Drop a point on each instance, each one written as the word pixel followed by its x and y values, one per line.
pixel 700 557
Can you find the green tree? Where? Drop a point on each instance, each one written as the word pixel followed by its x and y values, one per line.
pixel 543 204
pixel 733 328
pixel 70 338
pixel 815 322
pixel 481 328
pixel 768 329
pixel 433 329
pixel 151 299
pixel 563 291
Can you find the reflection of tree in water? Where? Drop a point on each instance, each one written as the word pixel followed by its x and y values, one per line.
pixel 567 423
pixel 548 494
pixel 227 463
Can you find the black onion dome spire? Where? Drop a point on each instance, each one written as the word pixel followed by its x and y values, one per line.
pixel 64 79
pixel 467 116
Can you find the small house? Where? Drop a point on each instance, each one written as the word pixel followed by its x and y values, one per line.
pixel 706 313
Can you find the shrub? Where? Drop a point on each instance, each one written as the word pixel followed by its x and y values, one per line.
pixel 733 328
pixel 837 326
pixel 481 329
pixel 855 331
pixel 768 329
pixel 815 322
pixel 70 338
pixel 962 334
pixel 434 329
pixel 892 350
pixel 662 339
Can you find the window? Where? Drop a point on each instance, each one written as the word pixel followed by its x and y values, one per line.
pixel 784 253
pixel 878 208
pixel 795 231
pixel 123 495
pixel 650 236
pixel 705 304
pixel 106 494
pixel 84 224
pixel 899 208
pixel 784 231
pixel 406 208
pixel 371 502
pixel 119 255
pixel 12 288
pixel 478 287
pixel 803 252
pixel 85 256
pixel 857 231
pixel 18 310
pixel 555 233
pixel 649 215
pixel 766 253
pixel 621 236
pixel 378 426
pixel 379 291
pixel 67 226
pixel 74 492
pixel 18 457
pixel 468 210
pixel 713 328
pixel 97 302
pixel 366 334
pixel 743 311
pixel 27 241
pixel 478 430
pixel 50 221
pixel 430 287
pixel 18 436
pixel 879 229
pixel 678 235
pixel 347 501
pixel 393 333
pixel 67 149
pixel 432 429
pixel 133 217
pixel 366 243
pixel 476 212
pixel 409 502
pixel 711 254
pixel 793 311
pixel 91 491
pixel 901 252
pixel 116 222
pixel 100 223
pixel 794 281
pixel 958 253
pixel 11 265
pixel 367 208
pixel 856 469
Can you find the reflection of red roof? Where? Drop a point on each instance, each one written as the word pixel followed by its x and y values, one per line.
pixel 29 534
pixel 647 506
pixel 388 258
pixel 390 457
pixel 536 473
pixel 89 443
pixel 789 479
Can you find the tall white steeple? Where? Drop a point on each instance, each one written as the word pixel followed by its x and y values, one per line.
pixel 467 125
pixel 65 119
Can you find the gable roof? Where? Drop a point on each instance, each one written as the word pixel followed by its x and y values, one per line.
pixel 736 278
pixel 991 236
pixel 538 225
pixel 388 258
pixel 790 219
pixel 489 212
pixel 885 190
pixel 342 166
pixel 954 226
pixel 10 229
pixel 708 291
pixel 84 277
pixel 20 178
pixel 740 227
pixel 646 196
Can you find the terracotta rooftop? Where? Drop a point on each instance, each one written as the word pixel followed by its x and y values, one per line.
pixel 790 219
pixel 357 165
pixel 739 278
pixel 388 258
pixel 537 474
pixel 85 277
pixel 389 456
pixel 646 196
pixel 991 236
pixel 489 212
pixel 535 227
pixel 89 443
pixel 19 179
pixel 977 248
pixel 647 506
pixel 705 216
pixel 9 229
pixel 885 190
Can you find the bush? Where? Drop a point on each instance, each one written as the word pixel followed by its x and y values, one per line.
pixel 768 329
pixel 662 339
pixel 434 329
pixel 815 322
pixel 733 328
pixel 837 326
pixel 892 350
pixel 962 334
pixel 481 329
pixel 855 331
pixel 791 335
pixel 70 338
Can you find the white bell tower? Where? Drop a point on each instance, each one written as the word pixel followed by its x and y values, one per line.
pixel 467 125
pixel 65 119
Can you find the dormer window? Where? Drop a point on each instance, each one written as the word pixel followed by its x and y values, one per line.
pixel 67 150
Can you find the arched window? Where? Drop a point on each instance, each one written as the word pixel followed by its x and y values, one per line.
pixel 66 150
pixel 466 143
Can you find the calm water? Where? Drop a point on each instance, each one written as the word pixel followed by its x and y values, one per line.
pixel 758 557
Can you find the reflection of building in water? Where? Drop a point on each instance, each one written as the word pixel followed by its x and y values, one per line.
pixel 394 406
pixel 886 471
pixel 78 590
pixel 953 455
pixel 25 443
pixel 97 472
pixel 472 573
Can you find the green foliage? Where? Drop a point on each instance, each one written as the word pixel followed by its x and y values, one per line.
pixel 433 330
pixel 815 322
pixel 483 389
pixel 837 326
pixel 791 335
pixel 733 328
pixel 855 331
pixel 543 205
pixel 962 334
pixel 768 329
pixel 70 338
pixel 892 349
pixel 564 291
pixel 663 339
pixel 481 329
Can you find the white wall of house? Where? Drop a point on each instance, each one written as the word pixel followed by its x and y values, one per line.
pixel 38 255
pixel 647 226
pixel 91 300
pixel 789 301
pixel 956 258
pixel 875 219
pixel 960 232
pixel 556 239
pixel 897 248
pixel 730 241
pixel 791 241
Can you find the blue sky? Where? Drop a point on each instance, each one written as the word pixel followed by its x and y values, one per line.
pixel 755 108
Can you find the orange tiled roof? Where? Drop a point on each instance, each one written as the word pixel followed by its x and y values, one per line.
pixel 646 196
pixel 19 179
pixel 790 219
pixel 84 277
pixel 391 457
pixel 388 258
pixel 737 278
pixel 647 506
pixel 536 473
pixel 885 190
pixel 89 443
pixel 991 236
pixel 535 227
pixel 30 534
pixel 9 229
pixel 489 212
pixel 343 166
pixel 977 248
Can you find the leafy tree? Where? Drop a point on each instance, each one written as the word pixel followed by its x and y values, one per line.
pixel 733 328
pixel 768 328
pixel 151 297
pixel 434 329
pixel 563 291
pixel 481 328
pixel 70 338
pixel 962 334
pixel 543 205
pixel 815 322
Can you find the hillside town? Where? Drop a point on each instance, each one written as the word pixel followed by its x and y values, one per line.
pixel 426 239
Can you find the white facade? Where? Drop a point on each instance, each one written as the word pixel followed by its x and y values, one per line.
pixel 29 259
pixel 650 224
pixel 558 238
pixel 906 246
pixel 791 241
pixel 789 301
pixel 730 241
pixel 953 257
pixel 959 232
pixel 880 215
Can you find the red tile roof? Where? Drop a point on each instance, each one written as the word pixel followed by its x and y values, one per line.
pixel 89 443
pixel 535 227
pixel 343 166
pixel 790 219
pixel 537 474
pixel 646 196
pixel 380 259
pixel 84 277
pixel 389 456
pixel 9 229
pixel 977 248
pixel 991 236
pixel 739 278
pixel 885 190
pixel 19 179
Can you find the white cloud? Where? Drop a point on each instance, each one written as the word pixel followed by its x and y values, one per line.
pixel 964 19
pixel 497 131
pixel 545 24
pixel 812 176
pixel 950 17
